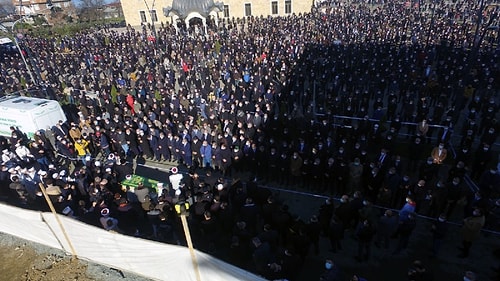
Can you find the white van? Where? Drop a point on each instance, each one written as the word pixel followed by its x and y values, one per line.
pixel 28 114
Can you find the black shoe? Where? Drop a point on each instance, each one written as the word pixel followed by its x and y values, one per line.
pixel 462 256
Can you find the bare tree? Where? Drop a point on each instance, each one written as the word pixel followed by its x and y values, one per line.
pixel 59 16
pixel 91 10
pixel 6 8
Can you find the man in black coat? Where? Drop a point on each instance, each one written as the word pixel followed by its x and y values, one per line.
pixel 482 158
pixel 162 147
pixel 415 152
pixel 364 233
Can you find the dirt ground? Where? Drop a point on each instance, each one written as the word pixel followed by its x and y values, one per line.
pixel 21 260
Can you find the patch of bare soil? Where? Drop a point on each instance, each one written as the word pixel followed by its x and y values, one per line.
pixel 21 262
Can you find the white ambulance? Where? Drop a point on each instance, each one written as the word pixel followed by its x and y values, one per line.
pixel 28 114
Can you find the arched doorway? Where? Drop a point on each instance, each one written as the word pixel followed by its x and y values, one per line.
pixel 196 23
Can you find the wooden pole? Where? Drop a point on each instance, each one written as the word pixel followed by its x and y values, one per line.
pixel 190 246
pixel 53 210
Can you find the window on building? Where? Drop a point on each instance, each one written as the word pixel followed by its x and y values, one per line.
pixel 274 7
pixel 248 9
pixel 226 11
pixel 143 16
pixel 154 17
pixel 288 6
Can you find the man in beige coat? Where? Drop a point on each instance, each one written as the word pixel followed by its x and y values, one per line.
pixel 471 230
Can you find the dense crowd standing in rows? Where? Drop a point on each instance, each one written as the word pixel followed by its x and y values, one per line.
pixel 259 95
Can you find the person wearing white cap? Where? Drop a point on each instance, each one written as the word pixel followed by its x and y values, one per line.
pixel 30 180
pixel 17 186
pixel 38 152
pixel 108 223
pixel 32 173
pixel 175 178
pixel 24 153
pixel 7 156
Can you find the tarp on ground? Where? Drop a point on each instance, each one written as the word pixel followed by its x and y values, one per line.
pixel 147 258
pixel 26 224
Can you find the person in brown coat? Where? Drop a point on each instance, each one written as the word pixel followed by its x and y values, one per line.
pixel 471 230
pixel 439 154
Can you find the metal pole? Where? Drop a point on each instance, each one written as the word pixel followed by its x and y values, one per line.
pixel 21 52
pixel 185 226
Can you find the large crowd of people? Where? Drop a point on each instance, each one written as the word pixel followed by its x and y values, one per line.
pixel 367 102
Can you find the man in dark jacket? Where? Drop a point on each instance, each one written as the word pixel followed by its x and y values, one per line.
pixel 224 155
pixel 161 147
pixel 364 233
pixel 405 230
pixel 439 229
pixel 331 273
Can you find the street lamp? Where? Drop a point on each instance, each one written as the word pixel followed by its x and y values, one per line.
pixel 20 51
pixel 20 36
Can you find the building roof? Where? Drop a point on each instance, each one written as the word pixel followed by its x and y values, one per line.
pixel 183 7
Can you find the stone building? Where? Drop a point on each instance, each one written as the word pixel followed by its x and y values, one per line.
pixel 139 12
